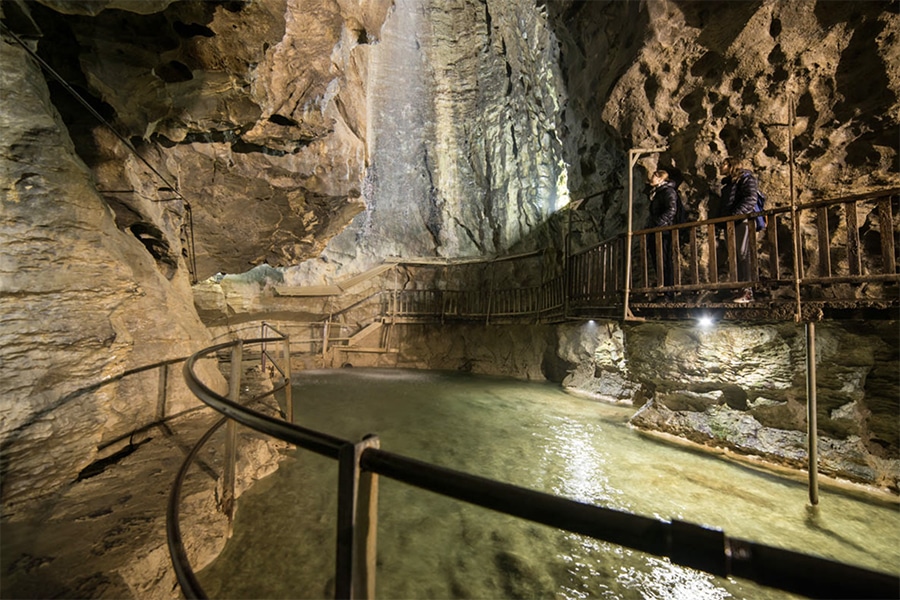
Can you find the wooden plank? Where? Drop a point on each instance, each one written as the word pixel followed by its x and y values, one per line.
pixel 731 251
pixel 676 257
pixel 642 251
pixel 713 269
pixel 772 235
pixel 695 258
pixel 754 251
pixel 660 259
pixel 853 250
pixel 824 242
pixel 886 226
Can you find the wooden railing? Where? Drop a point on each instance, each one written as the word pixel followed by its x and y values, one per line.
pixel 848 255
pixel 835 247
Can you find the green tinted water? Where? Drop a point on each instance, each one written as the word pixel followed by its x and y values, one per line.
pixel 532 435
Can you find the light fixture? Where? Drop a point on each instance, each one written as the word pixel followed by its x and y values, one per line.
pixel 705 321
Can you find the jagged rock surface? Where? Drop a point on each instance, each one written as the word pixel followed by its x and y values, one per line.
pixel 744 389
pixel 82 304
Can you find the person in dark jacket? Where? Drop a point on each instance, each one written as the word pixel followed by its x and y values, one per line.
pixel 739 194
pixel 663 207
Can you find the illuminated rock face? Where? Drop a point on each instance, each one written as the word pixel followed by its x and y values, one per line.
pixel 744 388
pixel 281 120
pixel 455 128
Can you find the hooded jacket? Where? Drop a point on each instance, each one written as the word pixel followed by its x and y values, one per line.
pixel 663 205
pixel 739 197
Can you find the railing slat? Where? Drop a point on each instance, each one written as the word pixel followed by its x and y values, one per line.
pixel 824 243
pixel 676 257
pixel 853 251
pixel 754 249
pixel 886 226
pixel 695 257
pixel 731 251
pixel 713 267
pixel 772 236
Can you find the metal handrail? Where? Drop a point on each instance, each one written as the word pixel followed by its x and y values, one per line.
pixel 190 586
pixel 683 543
pixel 320 443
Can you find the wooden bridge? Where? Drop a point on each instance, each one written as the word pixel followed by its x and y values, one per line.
pixel 828 259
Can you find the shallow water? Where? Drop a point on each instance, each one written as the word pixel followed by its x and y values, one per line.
pixel 535 436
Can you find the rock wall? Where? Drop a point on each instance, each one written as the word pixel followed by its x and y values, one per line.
pixel 706 79
pixel 83 302
pixel 744 388
pixel 280 120
pixel 463 154
pixel 457 127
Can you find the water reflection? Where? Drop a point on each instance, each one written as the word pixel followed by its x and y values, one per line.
pixel 535 436
pixel 583 476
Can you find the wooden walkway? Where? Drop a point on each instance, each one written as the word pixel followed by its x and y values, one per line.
pixel 829 259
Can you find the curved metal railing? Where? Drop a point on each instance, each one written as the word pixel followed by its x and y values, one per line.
pixel 361 463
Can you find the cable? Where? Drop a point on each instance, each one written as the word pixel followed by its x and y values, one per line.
pixel 192 262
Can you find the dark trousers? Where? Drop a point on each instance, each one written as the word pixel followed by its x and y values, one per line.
pixel 663 271
pixel 742 245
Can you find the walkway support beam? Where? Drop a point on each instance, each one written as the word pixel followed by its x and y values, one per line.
pixel 633 156
pixel 812 425
pixel 357 523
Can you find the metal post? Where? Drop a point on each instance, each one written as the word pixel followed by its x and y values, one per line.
pixel 633 155
pixel 288 401
pixel 262 359
pixel 811 420
pixel 567 281
pixel 795 216
pixel 234 394
pixel 490 298
pixel 161 392
pixel 357 525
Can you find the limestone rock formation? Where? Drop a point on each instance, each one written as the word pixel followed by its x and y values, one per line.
pixel 705 79
pixel 83 302
pixel 745 389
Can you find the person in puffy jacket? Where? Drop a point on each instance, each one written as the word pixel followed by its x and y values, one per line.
pixel 663 208
pixel 739 196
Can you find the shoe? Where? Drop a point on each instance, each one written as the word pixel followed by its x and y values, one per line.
pixel 745 297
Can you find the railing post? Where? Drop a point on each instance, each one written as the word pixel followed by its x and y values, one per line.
pixel 633 155
pixel 357 525
pixel 812 428
pixel 161 392
pixel 632 160
pixel 288 401
pixel 262 359
pixel 795 217
pixel 234 394
pixel 567 276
